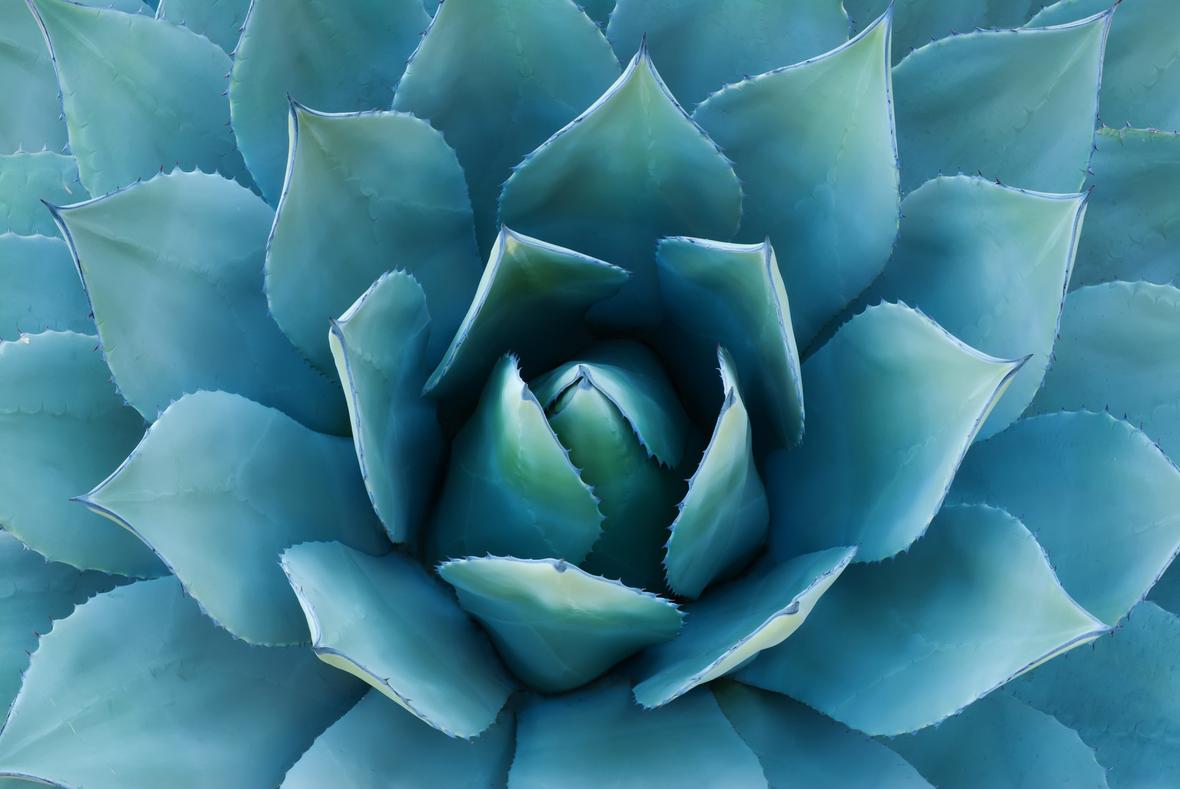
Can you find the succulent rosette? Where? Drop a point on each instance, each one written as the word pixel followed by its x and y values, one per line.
pixel 511 393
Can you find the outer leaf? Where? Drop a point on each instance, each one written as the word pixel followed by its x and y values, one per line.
pixel 386 621
pixel 556 626
pixel 598 737
pixel 724 517
pixel 63 427
pixel 140 95
pixel 379 346
pixel 136 688
pixel 733 295
pixel 702 45
pixel 1014 106
pixel 800 749
pixel 173 270
pixel 736 623
pixel 218 487
pixel 378 744
pixel 990 264
pixel 920 21
pixel 1133 231
pixel 532 300
pixel 598 10
pixel 335 55
pixel 531 501
pixel 39 288
pixel 814 147
pixel 27 179
pixel 1121 697
pixel 895 401
pixel 497 77
pixel 929 632
pixel 366 192
pixel 633 162
pixel 220 21
pixel 1001 741
pixel 1100 497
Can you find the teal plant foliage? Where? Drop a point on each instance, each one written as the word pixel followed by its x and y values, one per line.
pixel 534 393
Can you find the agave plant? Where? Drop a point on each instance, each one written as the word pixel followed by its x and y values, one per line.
pixel 652 393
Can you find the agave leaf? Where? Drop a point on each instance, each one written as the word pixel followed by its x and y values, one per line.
pixel 220 21
pixel 990 264
pixel 1120 697
pixel 733 295
pixel 558 627
pixel 929 632
pixel 1018 106
pixel 1133 229
pixel 338 56
pixel 173 269
pixel 379 346
pixel 367 192
pixel 137 688
pixel 598 737
pixel 378 744
pixel 598 10
pixel 497 77
pixel 39 288
pixel 724 517
pixel 28 179
pixel 63 428
pixel 140 95
pixel 1001 741
pixel 918 22
pixel 1141 73
pixel 799 748
pixel 532 300
pixel 814 147
pixel 219 486
pixel 511 488
pixel 703 44
pixel 389 623
pixel 737 622
pixel 635 163
pixel 894 403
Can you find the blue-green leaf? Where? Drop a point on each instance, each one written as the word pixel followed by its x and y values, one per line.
pixel 531 301
pixel 556 626
pixel 918 22
pixel 1121 698
pixel 389 623
pixel 1099 496
pixel 735 623
pixel 530 500
pixel 138 689
pixel 990 264
pixel 497 77
pixel 724 516
pixel 801 749
pixel 174 269
pixel 702 45
pixel 27 179
pixel 900 645
pixel 63 428
pixel 365 193
pixel 598 737
pixel 220 21
pixel 894 403
pixel 815 149
pixel 334 55
pixel 1133 228
pixel 219 486
pixel 598 10
pixel 39 288
pixel 378 744
pixel 631 169
pixel 379 346
pixel 140 95
pixel 1001 741
pixel 733 295
pixel 1018 106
